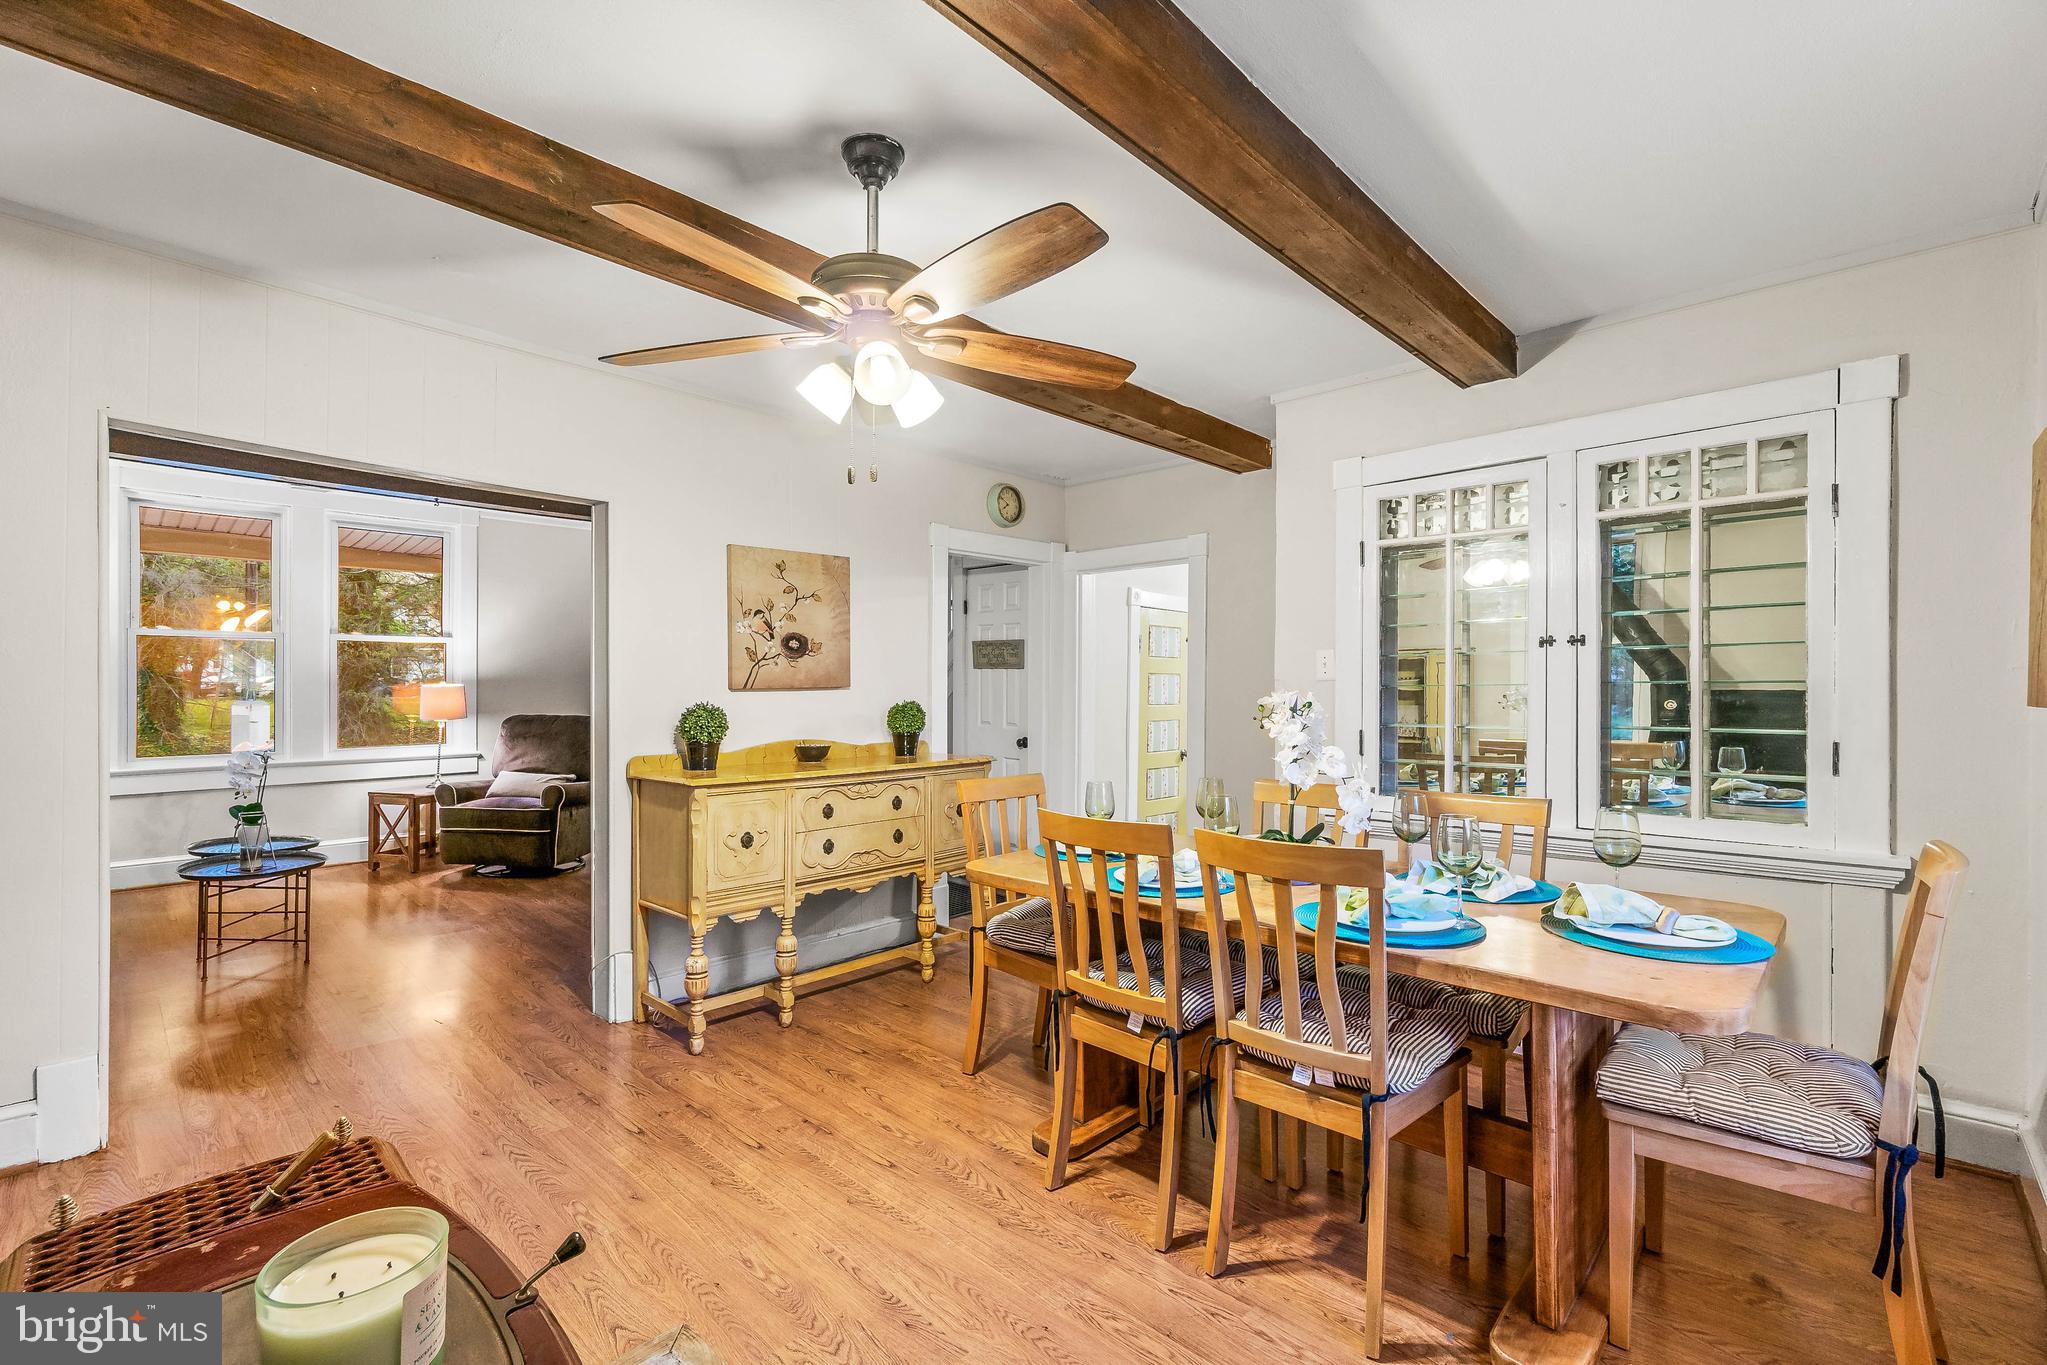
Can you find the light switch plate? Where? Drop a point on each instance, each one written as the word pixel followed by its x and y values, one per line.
pixel 1325 663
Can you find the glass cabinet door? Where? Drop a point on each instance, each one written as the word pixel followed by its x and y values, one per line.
pixel 1452 570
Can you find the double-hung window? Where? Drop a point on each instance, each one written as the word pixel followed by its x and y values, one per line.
pixel 202 623
pixel 1688 622
pixel 389 634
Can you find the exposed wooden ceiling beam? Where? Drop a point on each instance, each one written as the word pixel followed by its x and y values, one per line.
pixel 1140 71
pixel 240 69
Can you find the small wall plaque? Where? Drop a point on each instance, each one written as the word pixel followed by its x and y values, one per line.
pixel 998 653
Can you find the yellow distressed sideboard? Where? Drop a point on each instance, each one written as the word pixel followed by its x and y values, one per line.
pixel 764 831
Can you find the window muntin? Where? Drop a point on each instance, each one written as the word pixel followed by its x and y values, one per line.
pixel 1704 672
pixel 1454 575
pixel 390 612
pixel 203 626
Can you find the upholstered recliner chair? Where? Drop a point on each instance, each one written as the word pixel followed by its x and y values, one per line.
pixel 523 833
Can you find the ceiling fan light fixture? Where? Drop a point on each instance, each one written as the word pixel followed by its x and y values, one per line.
pixel 829 389
pixel 918 402
pixel 880 374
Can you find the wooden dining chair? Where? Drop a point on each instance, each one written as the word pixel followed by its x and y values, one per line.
pixel 1156 1009
pixel 1011 933
pixel 1498 1023
pixel 1277 804
pixel 1287 1051
pixel 1802 1120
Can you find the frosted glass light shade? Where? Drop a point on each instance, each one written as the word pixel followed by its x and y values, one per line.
pixel 829 389
pixel 880 374
pixel 443 701
pixel 918 402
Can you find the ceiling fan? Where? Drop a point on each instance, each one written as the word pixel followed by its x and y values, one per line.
pixel 878 305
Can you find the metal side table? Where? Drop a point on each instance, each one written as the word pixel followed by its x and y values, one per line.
pixel 225 928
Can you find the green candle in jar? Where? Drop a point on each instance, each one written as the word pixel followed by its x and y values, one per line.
pixel 366 1290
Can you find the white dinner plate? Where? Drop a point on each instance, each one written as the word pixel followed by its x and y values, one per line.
pixel 1649 938
pixel 1434 924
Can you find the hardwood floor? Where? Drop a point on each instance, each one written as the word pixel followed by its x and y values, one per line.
pixel 840 1191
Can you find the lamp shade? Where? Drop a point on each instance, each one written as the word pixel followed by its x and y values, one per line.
pixel 443 701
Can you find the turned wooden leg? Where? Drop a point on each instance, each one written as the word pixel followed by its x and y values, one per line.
pixel 785 968
pixel 1620 1233
pixel 1652 1206
pixel 927 927
pixel 1492 1083
pixel 1458 1174
pixel 1222 1191
pixel 696 981
pixel 1062 1102
pixel 1175 1097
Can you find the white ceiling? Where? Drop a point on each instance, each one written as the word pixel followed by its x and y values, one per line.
pixel 1565 158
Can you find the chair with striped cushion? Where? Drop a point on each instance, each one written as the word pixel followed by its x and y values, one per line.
pixel 1498 1023
pixel 1803 1120
pixel 1157 1010
pixel 1288 1051
pixel 1011 933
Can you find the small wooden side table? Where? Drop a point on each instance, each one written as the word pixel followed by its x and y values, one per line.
pixel 403 822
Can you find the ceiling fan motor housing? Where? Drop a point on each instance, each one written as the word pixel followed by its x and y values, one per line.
pixel 873 158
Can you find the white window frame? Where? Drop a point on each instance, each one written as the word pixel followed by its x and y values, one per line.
pixel 1854 843
pixel 305 522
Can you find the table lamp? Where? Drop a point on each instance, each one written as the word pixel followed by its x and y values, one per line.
pixel 442 702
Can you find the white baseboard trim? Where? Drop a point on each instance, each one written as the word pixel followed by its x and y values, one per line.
pixel 124 874
pixel 2035 1168
pixel 1977 1134
pixel 68 1109
pixel 17 1134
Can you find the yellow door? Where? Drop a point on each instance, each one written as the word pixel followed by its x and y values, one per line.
pixel 1161 738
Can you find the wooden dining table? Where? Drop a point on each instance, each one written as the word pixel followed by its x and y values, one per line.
pixel 1577 996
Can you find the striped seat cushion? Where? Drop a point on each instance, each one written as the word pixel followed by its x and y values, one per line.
pixel 1024 928
pixel 1418 1041
pixel 1197 977
pixel 1487 1015
pixel 1810 1098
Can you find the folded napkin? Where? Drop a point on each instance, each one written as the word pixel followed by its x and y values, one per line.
pixel 1354 903
pixel 1489 882
pixel 1186 869
pixel 1598 903
pixel 1741 789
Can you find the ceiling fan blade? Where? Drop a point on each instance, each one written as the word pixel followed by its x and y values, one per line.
pixel 704 350
pixel 722 256
pixel 998 263
pixel 1050 362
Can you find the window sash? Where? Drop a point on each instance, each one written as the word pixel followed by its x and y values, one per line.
pixel 338 525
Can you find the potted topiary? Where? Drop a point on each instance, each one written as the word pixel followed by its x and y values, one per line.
pixel 698 734
pixel 906 723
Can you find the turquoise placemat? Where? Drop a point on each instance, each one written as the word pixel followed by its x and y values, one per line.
pixel 1745 948
pixel 1070 856
pixel 1470 931
pixel 1224 883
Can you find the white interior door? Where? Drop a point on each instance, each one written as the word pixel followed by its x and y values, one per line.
pixel 997 682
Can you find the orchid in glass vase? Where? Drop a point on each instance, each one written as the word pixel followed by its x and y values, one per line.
pixel 248 776
pixel 1303 754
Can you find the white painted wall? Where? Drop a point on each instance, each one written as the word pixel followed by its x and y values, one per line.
pixel 1968 319
pixel 1236 512
pixel 532 621
pixel 1105 669
pixel 89 326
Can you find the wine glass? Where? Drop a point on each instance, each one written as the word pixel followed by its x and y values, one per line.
pixel 1099 800
pixel 1458 848
pixel 1617 838
pixel 1228 817
pixel 1733 758
pixel 1669 761
pixel 1208 800
pixel 1410 822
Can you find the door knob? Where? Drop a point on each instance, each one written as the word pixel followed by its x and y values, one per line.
pixel 1023 741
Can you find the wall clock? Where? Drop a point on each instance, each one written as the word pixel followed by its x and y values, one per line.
pixel 1005 504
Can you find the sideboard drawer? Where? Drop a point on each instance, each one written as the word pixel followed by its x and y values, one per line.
pixel 859 803
pixel 746 835
pixel 952 828
pixel 828 852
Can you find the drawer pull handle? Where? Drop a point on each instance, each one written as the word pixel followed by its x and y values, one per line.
pixel 827 810
pixel 899 836
pixel 896 803
pixel 746 839
pixel 827 848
